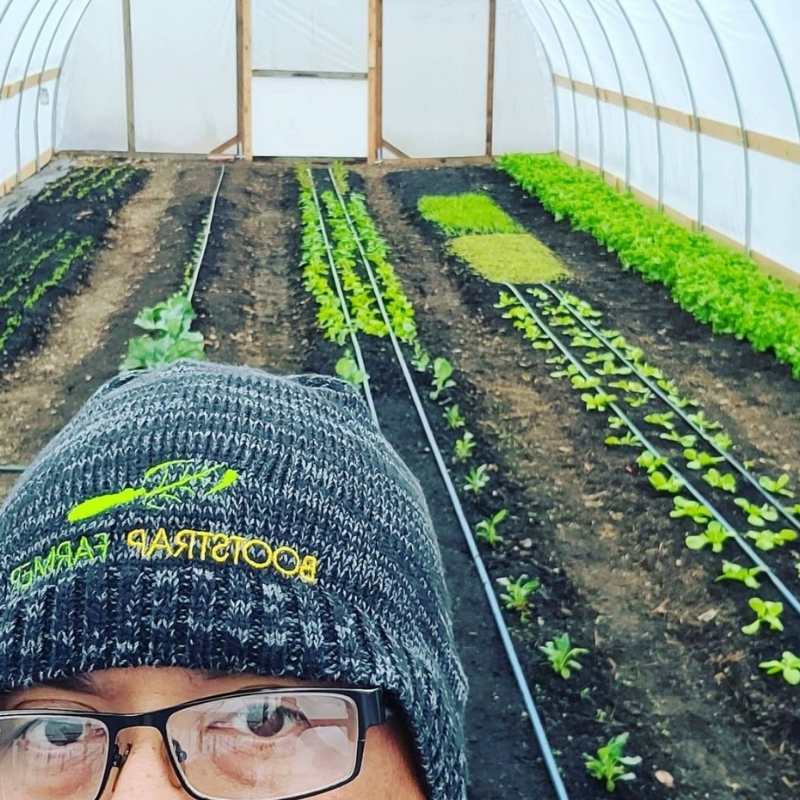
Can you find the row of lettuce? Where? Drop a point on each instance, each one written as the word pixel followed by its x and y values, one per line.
pixel 714 283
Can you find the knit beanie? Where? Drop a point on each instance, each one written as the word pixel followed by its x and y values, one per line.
pixel 222 518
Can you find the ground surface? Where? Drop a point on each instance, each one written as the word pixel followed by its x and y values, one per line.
pixel 612 563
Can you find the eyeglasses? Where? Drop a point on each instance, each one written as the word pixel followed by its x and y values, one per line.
pixel 268 744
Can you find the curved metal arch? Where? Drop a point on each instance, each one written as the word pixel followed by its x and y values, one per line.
pixel 748 204
pixel 13 50
pixel 600 133
pixel 781 63
pixel 571 80
pixel 695 113
pixel 659 145
pixel 621 91
pixel 5 11
pixel 67 47
pixel 35 44
pixel 56 30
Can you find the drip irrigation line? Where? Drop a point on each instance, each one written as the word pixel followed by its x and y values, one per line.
pixel 206 237
pixel 508 644
pixel 11 469
pixel 784 591
pixel 731 459
pixel 343 303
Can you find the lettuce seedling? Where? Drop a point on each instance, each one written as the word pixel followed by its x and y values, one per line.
pixel 630 439
pixel 703 423
pixel 637 401
pixel 569 372
pixel 650 462
pixel 476 479
pixel 662 420
pixel 668 386
pixel 788 666
pixel 487 529
pixel 651 372
pixel 663 483
pixel 629 387
pixel 776 486
pixel 725 481
pixel 734 572
pixel 347 369
pixel 563 656
pixel 611 764
pixel 690 508
pixel 767 613
pixel 464 447
pixel 769 540
pixel 454 417
pixel 506 300
pixel 723 441
pixel 700 460
pixel 757 515
pixel 421 361
pixel 599 401
pixel 690 440
pixel 442 374
pixel 610 368
pixel 615 423
pixel 714 535
pixel 581 383
pixel 591 342
pixel 518 594
pixel 597 358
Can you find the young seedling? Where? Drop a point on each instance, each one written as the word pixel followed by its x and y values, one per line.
pixel 734 572
pixel 420 360
pixel 703 423
pixel 615 423
pixel 518 594
pixel 714 535
pixel 757 515
pixel 563 656
pixel 637 401
pixel 568 372
pixel 699 459
pixel 650 462
pixel 590 342
pixel 486 530
pixel 629 387
pixel 599 401
pixel 454 417
pixel 442 375
pixel 769 540
pixel 597 358
pixel 690 508
pixel 610 764
pixel 610 368
pixel 767 613
pixel 579 382
pixel 476 479
pixel 684 441
pixel 777 486
pixel 662 420
pixel 347 369
pixel 663 483
pixel 629 440
pixel 723 441
pixel 719 480
pixel 464 447
pixel 651 372
pixel 788 666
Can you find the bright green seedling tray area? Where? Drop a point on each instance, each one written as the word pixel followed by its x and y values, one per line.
pixel 714 283
pixel 509 257
pixel 466 213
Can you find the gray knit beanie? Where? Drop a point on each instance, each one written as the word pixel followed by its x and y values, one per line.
pixel 226 519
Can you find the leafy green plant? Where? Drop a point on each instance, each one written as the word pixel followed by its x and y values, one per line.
pixel 684 441
pixel 714 535
pixel 477 479
pixel 466 213
pixel 778 486
pixel 757 515
pixel 650 462
pixel 518 594
pixel 705 425
pixel 464 447
pixel 700 460
pixel 690 508
pixel 745 575
pixel 769 540
pixel 442 377
pixel 767 613
pixel 725 481
pixel 610 764
pixel 421 361
pixel 487 529
pixel 630 439
pixel 563 656
pixel 788 667
pixel 665 483
pixel 454 417
pixel 664 420
pixel 347 369
pixel 599 401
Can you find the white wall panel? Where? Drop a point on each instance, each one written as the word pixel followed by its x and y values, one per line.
pixel 680 170
pixel 724 187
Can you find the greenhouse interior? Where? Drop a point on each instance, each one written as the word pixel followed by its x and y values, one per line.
pixel 531 270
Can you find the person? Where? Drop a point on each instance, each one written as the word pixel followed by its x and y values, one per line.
pixel 224 584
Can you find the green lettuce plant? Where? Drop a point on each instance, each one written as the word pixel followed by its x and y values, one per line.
pixel 698 459
pixel 463 447
pixel 477 479
pixel 714 536
pixel 690 508
pixel 778 486
pixel 757 515
pixel 767 613
pixel 487 529
pixel 563 656
pixel 347 369
pixel 724 481
pixel 745 575
pixel 610 764
pixel 788 667
pixel 769 540
pixel 518 594
pixel 454 417
pixel 442 377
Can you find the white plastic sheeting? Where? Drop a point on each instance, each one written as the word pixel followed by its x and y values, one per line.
pixel 309 116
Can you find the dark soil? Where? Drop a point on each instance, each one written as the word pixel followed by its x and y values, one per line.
pixel 616 574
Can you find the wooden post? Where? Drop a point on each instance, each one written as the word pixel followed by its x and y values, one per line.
pixel 244 76
pixel 490 80
pixel 130 103
pixel 375 80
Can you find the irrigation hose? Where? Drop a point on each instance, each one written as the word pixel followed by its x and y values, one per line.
pixel 731 459
pixel 785 592
pixel 343 302
pixel 508 644
pixel 11 469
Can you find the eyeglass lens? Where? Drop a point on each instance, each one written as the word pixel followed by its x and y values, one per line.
pixel 250 747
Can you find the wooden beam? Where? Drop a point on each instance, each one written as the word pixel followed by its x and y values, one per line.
pixel 12 89
pixel 396 150
pixel 130 99
pixel 375 79
pixel 27 171
pixel 244 75
pixel 490 79
pixel 225 145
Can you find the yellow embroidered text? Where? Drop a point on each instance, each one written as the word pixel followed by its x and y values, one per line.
pixel 224 548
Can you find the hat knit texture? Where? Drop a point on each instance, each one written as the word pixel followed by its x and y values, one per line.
pixel 222 518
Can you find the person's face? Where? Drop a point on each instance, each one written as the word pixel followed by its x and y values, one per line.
pixel 387 770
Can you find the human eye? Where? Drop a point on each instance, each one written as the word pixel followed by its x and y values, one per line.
pixel 266 720
pixel 53 734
